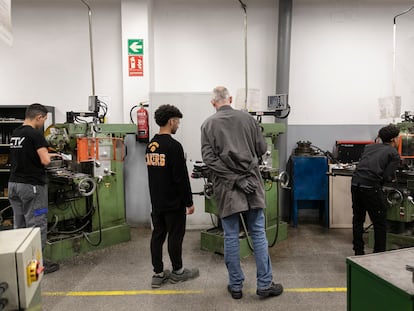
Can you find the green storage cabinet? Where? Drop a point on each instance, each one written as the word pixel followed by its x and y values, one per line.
pixel 381 281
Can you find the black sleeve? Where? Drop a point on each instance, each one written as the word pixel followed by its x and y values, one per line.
pixel 180 175
pixel 39 140
pixel 389 171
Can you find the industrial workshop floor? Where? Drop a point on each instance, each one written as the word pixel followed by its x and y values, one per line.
pixel 310 264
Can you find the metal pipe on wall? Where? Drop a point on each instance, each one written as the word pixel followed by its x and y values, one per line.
pixel 90 44
pixel 282 82
pixel 244 7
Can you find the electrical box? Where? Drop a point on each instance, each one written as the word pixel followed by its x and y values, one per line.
pixel 277 102
pixel 21 268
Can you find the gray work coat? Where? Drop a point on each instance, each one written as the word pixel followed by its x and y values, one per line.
pixel 231 143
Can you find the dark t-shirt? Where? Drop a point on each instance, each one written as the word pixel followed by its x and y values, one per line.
pixel 25 162
pixel 169 183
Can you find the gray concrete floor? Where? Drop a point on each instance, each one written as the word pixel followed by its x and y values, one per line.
pixel 310 264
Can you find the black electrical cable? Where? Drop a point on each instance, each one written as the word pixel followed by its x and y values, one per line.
pixel 284 116
pixel 76 230
pixel 85 235
pixel 246 231
pixel 130 114
pixel 3 287
pixel 277 222
pixel 54 225
pixel 402 13
pixel 78 217
pixel 3 303
pixel 4 209
pixel 326 153
pixel 212 221
pixel 52 240
pixel 104 106
pixel 243 6
pixel 367 228
pixel 77 119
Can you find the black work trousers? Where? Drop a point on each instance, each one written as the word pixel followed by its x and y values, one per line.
pixel 171 224
pixel 371 201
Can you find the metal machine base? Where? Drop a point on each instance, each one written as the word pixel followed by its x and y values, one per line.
pixel 71 247
pixel 394 241
pixel 213 239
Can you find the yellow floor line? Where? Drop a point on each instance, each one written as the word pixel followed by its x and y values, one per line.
pixel 316 290
pixel 177 292
pixel 124 293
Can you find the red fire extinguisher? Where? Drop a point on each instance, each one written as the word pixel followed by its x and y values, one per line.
pixel 143 125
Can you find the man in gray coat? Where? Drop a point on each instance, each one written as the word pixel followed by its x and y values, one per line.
pixel 231 144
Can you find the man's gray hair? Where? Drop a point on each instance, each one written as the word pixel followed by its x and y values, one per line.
pixel 220 93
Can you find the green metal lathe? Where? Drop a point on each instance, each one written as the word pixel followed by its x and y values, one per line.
pixel 86 188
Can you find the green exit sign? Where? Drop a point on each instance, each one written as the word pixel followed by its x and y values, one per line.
pixel 135 46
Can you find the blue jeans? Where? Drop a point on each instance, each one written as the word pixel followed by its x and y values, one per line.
pixel 256 227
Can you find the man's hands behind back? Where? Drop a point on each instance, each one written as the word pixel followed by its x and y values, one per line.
pixel 246 185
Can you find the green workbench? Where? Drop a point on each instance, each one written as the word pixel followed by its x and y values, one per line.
pixel 381 281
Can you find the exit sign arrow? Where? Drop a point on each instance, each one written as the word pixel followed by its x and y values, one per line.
pixel 135 46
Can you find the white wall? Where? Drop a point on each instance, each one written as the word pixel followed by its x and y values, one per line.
pixel 341 61
pixel 199 44
pixel 136 16
pixel 49 62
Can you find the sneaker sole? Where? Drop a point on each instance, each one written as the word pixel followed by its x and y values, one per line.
pixel 159 285
pixel 234 294
pixel 172 281
pixel 261 294
pixel 178 281
pixel 163 281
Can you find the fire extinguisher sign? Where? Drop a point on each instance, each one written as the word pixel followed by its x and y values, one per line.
pixel 136 57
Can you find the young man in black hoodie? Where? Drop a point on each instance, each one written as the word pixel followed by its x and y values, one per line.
pixel 377 165
pixel 171 197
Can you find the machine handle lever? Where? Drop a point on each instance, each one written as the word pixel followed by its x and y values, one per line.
pixel 411 269
pixel 198 193
pixel 283 179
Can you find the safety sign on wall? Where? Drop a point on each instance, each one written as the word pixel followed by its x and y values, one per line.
pixel 136 57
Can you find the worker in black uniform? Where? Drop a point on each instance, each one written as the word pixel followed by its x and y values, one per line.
pixel 377 165
pixel 28 191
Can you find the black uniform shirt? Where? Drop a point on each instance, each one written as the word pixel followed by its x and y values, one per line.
pixel 25 162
